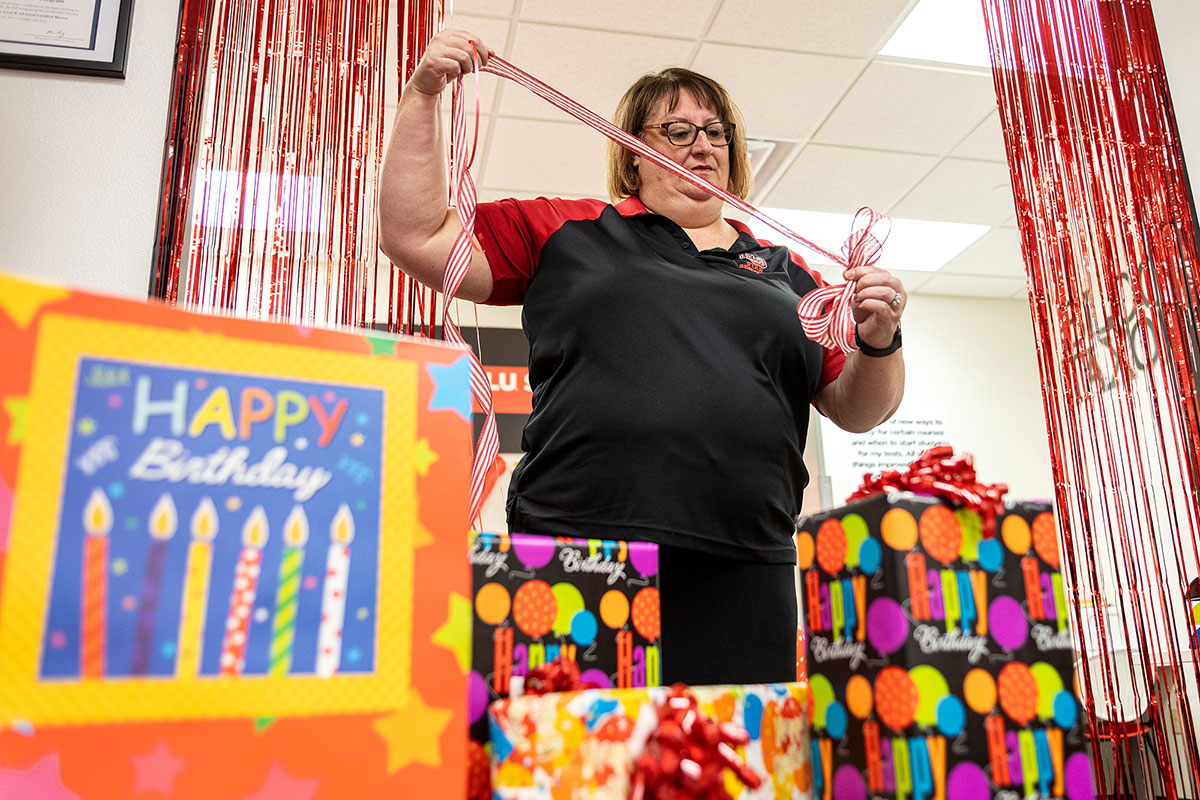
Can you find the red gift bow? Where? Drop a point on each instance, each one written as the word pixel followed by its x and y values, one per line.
pixel 940 473
pixel 559 675
pixel 686 757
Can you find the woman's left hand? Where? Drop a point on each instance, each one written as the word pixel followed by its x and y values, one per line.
pixel 877 304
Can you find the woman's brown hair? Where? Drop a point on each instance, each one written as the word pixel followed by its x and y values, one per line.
pixel 635 108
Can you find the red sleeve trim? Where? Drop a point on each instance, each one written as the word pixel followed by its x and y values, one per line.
pixel 512 233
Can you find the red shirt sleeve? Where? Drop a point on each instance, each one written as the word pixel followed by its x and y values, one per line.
pixel 834 359
pixel 512 232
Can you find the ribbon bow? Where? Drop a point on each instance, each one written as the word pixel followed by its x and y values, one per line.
pixel 825 313
pixel 559 675
pixel 686 756
pixel 940 473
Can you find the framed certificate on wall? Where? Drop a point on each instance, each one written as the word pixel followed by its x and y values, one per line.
pixel 84 37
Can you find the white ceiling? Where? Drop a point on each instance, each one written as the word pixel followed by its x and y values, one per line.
pixel 911 139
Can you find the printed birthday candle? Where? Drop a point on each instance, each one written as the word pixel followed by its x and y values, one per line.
pixel 333 601
pixel 204 526
pixel 163 521
pixel 287 594
pixel 97 522
pixel 245 588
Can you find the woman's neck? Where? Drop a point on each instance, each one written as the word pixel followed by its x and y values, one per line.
pixel 716 234
pixel 702 222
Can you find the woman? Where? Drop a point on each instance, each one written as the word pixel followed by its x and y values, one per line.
pixel 671 378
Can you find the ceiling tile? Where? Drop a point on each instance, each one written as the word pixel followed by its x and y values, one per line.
pixel 545 157
pixel 769 111
pixel 490 8
pixel 601 67
pixel 815 26
pixel 917 109
pixel 961 191
pixel 686 18
pixel 843 179
pixel 997 253
pixel 986 142
pixel 973 285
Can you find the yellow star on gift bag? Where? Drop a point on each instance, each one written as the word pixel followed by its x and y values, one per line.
pixel 412 733
pixel 424 457
pixel 421 537
pixel 21 300
pixel 17 409
pixel 455 633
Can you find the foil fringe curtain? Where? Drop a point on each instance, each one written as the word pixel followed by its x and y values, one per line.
pixel 274 142
pixel 1108 235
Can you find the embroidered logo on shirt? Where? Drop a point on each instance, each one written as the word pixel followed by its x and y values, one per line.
pixel 753 263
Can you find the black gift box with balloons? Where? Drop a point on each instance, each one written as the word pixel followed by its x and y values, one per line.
pixel 538 597
pixel 940 661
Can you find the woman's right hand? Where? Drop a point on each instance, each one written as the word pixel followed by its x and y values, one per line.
pixel 448 55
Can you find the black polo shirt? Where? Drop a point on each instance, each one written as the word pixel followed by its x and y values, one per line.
pixel 671 388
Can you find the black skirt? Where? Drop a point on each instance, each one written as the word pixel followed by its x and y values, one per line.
pixel 726 621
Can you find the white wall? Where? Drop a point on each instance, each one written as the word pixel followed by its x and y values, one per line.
pixel 1177 22
pixel 79 164
pixel 972 379
pixel 973 359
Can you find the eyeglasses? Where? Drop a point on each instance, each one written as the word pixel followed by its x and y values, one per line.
pixel 679 133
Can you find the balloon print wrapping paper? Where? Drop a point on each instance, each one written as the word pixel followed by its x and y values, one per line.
pixel 941 663
pixel 538 597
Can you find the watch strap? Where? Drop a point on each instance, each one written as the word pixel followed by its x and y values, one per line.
pixel 878 352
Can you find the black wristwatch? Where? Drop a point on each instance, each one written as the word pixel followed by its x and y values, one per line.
pixel 877 352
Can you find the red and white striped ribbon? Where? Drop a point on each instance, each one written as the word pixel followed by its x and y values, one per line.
pixel 825 313
pixel 464 200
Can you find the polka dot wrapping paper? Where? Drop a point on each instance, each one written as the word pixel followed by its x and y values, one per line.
pixel 941 663
pixel 538 597
pixel 577 744
pixel 207 587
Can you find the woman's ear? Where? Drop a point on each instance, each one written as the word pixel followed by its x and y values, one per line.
pixel 636 161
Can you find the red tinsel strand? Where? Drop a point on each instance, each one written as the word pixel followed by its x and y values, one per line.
pixel 940 473
pixel 1109 244
pixel 685 758
pixel 270 173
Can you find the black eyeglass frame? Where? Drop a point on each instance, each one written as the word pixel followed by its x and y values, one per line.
pixel 727 128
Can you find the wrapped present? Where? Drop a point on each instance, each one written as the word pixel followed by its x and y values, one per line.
pixel 537 597
pixel 586 744
pixel 940 659
pixel 230 559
